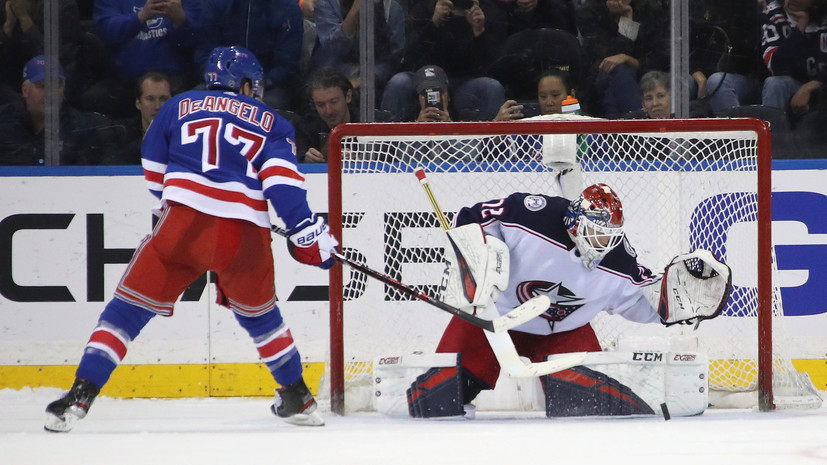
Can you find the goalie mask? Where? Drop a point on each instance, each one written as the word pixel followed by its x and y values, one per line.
pixel 594 222
pixel 228 67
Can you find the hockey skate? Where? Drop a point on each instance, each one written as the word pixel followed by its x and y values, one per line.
pixel 296 405
pixel 62 414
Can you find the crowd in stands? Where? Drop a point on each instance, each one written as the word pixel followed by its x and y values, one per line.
pixel 435 60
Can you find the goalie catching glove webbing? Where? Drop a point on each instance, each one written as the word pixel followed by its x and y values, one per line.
pixel 477 268
pixel 695 287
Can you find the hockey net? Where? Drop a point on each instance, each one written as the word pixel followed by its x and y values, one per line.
pixel 684 184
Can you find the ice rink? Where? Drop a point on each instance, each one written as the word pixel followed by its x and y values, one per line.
pixel 219 431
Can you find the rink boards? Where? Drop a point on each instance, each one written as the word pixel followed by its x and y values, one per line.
pixel 65 237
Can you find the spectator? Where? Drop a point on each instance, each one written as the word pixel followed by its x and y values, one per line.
pixel 622 39
pixel 655 93
pixel 337 42
pixel 153 90
pixel 553 88
pixel 791 45
pixel 84 137
pixel 272 29
pixel 432 94
pixel 433 100
pixel 332 95
pixel 462 40
pixel 510 110
pixel 22 39
pixel 143 36
pixel 724 54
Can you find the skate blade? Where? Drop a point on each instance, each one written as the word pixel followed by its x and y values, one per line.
pixel 55 424
pixel 304 419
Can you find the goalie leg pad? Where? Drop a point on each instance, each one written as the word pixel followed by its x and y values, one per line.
pixel 393 376
pixel 437 393
pixel 581 391
pixel 443 392
pixel 636 382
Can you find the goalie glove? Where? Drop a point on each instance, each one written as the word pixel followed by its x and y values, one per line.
pixel 695 287
pixel 476 268
pixel 311 243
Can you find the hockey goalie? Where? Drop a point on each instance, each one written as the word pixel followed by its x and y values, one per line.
pixel 503 252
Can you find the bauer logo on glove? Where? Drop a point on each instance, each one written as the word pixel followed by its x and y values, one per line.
pixel 312 244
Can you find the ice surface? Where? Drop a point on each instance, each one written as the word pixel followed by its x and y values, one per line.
pixel 226 431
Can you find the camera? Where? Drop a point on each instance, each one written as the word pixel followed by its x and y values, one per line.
pixel 463 4
pixel 433 98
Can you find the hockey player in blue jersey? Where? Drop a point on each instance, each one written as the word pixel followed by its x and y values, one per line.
pixel 214 158
pixel 576 253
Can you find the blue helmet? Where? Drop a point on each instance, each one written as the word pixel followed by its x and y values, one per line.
pixel 227 68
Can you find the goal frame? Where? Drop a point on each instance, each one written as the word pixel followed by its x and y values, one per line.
pixel 707 125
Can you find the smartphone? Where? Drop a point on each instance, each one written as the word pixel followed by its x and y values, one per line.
pixel 433 98
pixel 463 4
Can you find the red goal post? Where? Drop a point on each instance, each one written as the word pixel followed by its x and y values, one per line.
pixel 687 171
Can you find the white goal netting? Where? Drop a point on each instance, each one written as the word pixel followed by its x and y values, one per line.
pixel 684 185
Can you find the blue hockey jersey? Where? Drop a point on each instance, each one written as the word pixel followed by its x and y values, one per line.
pixel 225 154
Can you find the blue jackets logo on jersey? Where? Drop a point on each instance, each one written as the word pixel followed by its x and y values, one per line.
pixel 563 300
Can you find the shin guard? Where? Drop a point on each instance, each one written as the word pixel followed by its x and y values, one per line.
pixel 437 393
pixel 580 391
pixel 119 324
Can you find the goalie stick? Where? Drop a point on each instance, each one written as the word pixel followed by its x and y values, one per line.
pixel 516 317
pixel 501 342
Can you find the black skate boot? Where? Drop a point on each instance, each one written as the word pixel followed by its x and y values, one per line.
pixel 296 405
pixel 62 414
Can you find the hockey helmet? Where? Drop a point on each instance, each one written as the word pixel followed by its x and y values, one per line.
pixel 594 221
pixel 228 67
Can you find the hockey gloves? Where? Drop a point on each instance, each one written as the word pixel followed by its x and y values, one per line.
pixel 312 244
pixel 695 287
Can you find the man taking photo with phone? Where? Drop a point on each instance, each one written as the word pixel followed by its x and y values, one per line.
pixel 432 91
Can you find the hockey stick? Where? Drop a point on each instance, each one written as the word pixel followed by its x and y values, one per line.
pixel 501 342
pixel 510 361
pixel 440 215
pixel 500 324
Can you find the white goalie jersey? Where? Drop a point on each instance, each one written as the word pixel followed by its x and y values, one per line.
pixel 543 260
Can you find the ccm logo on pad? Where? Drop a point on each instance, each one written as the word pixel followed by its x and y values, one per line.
pixel 648 356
